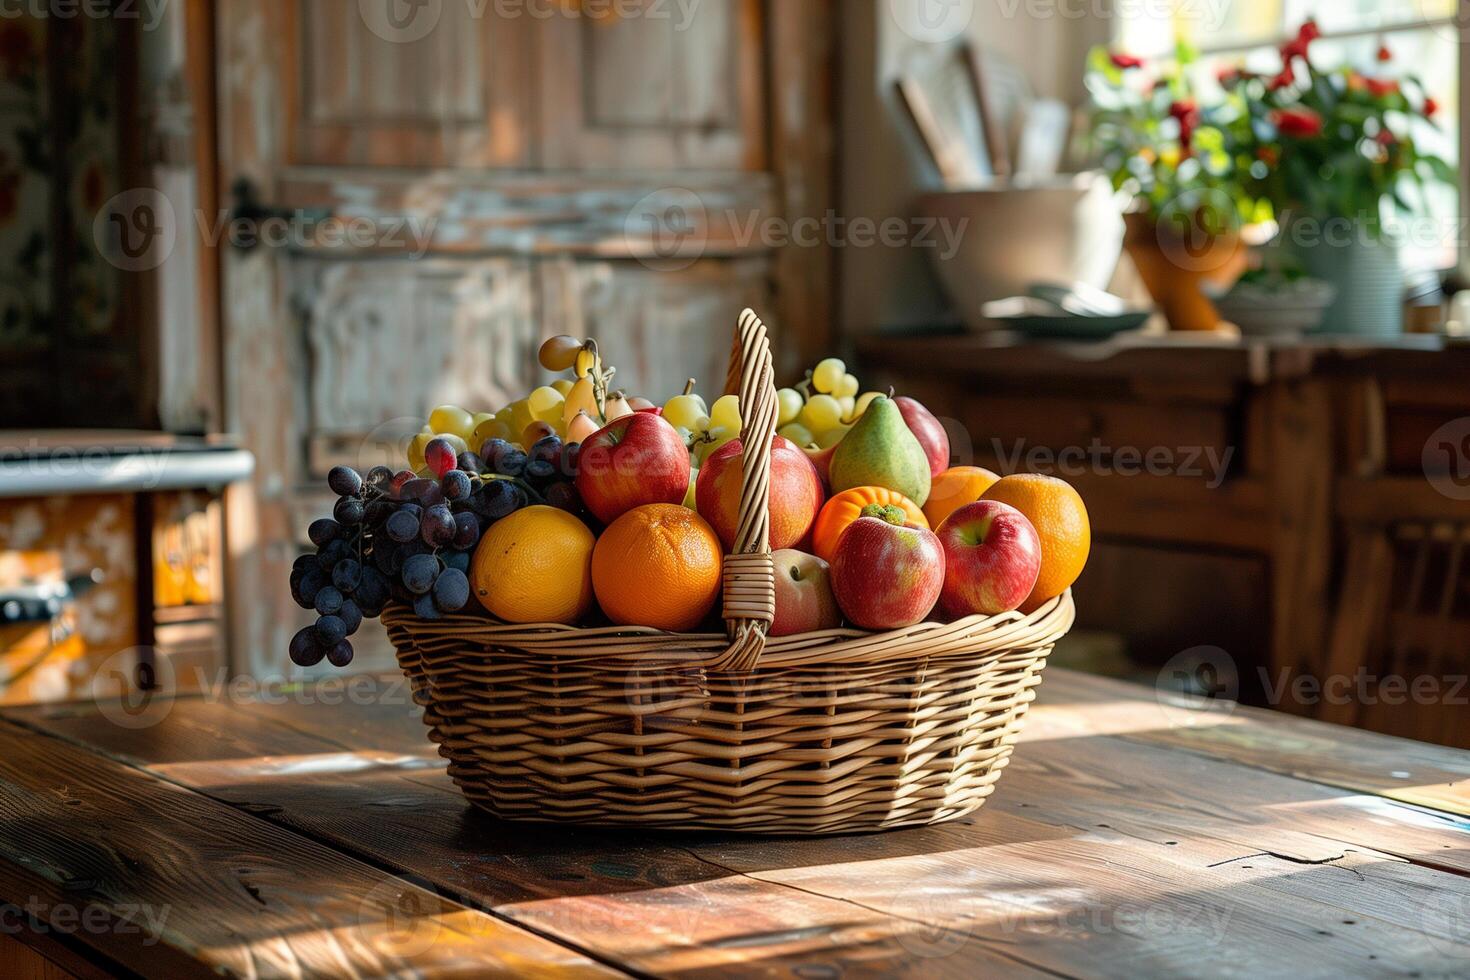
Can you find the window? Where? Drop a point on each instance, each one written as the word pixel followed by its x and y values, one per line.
pixel 1422 36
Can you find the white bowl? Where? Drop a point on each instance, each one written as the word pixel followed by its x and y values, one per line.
pixel 1061 229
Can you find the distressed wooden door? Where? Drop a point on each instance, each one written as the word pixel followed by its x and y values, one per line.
pixel 494 174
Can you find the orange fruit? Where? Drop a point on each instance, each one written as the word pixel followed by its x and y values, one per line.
pixel 954 488
pixel 535 566
pixel 658 565
pixel 847 506
pixel 1060 518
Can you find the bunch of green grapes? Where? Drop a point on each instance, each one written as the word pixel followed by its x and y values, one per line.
pixel 817 413
pixel 704 428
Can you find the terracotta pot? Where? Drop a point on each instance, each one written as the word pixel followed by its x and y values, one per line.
pixel 1175 267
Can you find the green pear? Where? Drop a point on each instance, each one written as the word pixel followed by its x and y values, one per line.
pixel 881 451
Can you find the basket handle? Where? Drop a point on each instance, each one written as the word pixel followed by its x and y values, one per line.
pixel 749 574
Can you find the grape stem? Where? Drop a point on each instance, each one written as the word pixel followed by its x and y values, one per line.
pixel 689 387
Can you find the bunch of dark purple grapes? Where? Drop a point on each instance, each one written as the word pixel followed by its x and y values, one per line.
pixel 404 538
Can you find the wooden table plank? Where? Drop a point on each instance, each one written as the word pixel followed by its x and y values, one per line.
pixel 615 890
pixel 1104 814
pixel 1397 768
pixel 167 882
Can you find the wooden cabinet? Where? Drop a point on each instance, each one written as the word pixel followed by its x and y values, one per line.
pixel 1272 501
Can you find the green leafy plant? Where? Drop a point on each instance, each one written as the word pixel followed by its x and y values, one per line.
pixel 1183 161
pixel 1334 144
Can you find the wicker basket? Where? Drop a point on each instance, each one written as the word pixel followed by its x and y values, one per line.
pixel 823 732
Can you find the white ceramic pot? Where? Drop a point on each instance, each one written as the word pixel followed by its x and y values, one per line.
pixel 1062 229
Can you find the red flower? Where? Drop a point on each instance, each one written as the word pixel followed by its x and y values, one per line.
pixel 1430 107
pixel 1297 47
pixel 1384 138
pixel 1300 123
pixel 1187 112
pixel 1125 61
pixel 1384 54
pixel 1286 79
pixel 1382 87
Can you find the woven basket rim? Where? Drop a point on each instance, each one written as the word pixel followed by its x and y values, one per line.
pixel 972 635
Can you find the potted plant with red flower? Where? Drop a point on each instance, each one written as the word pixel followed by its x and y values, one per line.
pixel 1339 156
pixel 1180 160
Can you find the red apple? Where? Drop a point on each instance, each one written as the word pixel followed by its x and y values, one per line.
pixel 992 556
pixel 886 574
pixel 796 492
pixel 804 600
pixel 928 431
pixel 633 460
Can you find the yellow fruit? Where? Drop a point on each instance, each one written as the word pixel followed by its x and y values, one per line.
pixel 693 479
pixel 791 403
pixel 832 436
pixel 546 404
pixel 563 385
pixel 521 415
pixel 416 448
pixel 535 566
pixel 847 387
pixel 725 413
pixel 797 433
pixel 581 398
pixel 821 413
pixel 683 411
pixel 579 428
pixel 827 375
pixel 615 407
pixel 451 419
pixel 587 363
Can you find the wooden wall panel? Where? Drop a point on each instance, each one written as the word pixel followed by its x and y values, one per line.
pixel 389 338
pixel 356 95
pixel 654 91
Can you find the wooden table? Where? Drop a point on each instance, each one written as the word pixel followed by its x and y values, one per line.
pixel 311 831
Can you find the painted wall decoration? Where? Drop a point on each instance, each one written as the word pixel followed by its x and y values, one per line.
pixel 64 309
pixel 48 540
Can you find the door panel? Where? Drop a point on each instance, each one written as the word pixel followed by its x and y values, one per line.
pixel 391 338
pixel 456 97
pixel 654 92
